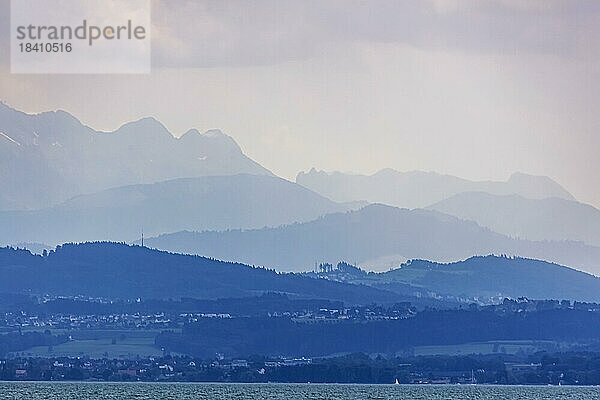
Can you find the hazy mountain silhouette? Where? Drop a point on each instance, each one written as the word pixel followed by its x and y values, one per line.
pixel 49 157
pixel 534 219
pixel 204 203
pixel 485 279
pixel 419 189
pixel 374 232
pixel 112 270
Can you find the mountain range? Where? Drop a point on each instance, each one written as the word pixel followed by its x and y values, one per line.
pixel 65 182
pixel 377 236
pixel 50 157
pixel 203 203
pixel 418 189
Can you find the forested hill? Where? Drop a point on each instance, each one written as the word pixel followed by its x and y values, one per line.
pixel 113 270
pixel 484 279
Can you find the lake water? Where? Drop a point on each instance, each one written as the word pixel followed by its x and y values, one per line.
pixel 175 391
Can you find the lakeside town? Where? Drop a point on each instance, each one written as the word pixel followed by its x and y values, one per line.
pixel 30 318
pixel 541 368
pixel 118 343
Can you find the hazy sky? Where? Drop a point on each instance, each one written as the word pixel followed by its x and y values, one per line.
pixel 478 89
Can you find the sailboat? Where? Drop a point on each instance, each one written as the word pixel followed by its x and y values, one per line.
pixel 396 383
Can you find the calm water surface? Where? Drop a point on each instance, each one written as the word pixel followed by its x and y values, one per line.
pixel 141 391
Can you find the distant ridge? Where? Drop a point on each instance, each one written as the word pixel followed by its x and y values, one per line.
pixel 203 203
pixel 418 189
pixel 373 232
pixel 534 219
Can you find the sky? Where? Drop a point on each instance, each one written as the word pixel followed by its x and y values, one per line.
pixel 478 89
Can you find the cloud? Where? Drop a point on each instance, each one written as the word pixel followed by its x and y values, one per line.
pixel 238 33
pixel 233 33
